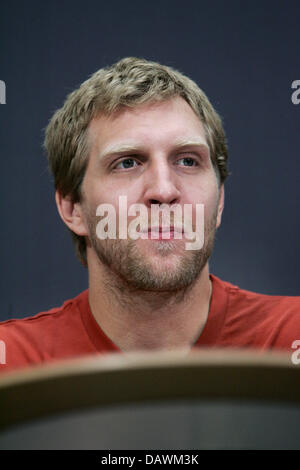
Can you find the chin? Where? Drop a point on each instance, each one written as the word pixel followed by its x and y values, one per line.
pixel 163 248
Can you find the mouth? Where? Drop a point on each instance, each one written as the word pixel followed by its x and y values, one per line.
pixel 164 233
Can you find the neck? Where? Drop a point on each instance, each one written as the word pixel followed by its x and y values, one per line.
pixel 136 319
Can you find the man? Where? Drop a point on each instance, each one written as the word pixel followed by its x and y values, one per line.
pixel 144 133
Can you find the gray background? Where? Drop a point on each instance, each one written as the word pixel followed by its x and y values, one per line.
pixel 244 54
pixel 201 425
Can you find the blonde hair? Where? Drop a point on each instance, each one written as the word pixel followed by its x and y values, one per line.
pixel 127 83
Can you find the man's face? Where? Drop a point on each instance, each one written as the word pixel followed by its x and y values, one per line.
pixel 155 153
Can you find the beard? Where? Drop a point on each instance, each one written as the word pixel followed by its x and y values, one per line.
pixel 171 268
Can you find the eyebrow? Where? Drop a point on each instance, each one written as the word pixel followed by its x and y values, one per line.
pixel 190 143
pixel 119 148
pixel 132 147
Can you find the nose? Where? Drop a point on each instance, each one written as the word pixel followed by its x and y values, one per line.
pixel 161 186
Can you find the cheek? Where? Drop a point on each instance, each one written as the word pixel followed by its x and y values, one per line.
pixel 209 198
pixel 111 195
pixel 206 193
pixel 131 192
pixel 111 191
pixel 97 193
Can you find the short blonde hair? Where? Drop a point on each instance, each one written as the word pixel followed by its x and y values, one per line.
pixel 127 83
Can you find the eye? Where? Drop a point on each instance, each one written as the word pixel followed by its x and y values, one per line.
pixel 126 164
pixel 187 161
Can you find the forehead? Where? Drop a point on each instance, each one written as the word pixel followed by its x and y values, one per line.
pixel 151 123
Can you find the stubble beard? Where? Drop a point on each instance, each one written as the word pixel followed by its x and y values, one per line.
pixel 124 260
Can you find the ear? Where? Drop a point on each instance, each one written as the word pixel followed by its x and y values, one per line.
pixel 220 205
pixel 71 214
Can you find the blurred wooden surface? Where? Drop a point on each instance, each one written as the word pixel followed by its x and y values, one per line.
pixel 81 384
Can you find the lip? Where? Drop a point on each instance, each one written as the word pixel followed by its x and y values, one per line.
pixel 156 233
pixel 160 229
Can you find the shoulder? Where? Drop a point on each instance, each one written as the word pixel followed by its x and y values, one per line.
pixel 27 340
pixel 278 304
pixel 275 306
pixel 264 320
pixel 47 316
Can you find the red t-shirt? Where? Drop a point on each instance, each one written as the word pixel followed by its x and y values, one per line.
pixel 237 318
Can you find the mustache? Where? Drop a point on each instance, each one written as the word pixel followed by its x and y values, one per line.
pixel 161 222
pixel 138 221
pixel 178 226
pixel 165 218
pixel 147 226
